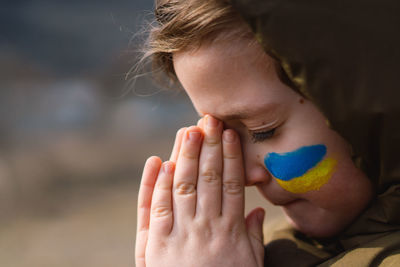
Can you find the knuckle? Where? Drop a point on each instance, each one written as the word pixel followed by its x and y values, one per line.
pixel 189 155
pixel 233 187
pixel 163 187
pixel 233 229
pixel 212 141
pixel 204 230
pixel 236 233
pixel 231 156
pixel 185 188
pixel 161 210
pixel 211 176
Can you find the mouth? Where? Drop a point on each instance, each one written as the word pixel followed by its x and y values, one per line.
pixel 285 203
pixel 291 203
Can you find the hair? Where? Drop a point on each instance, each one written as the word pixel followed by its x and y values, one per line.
pixel 183 25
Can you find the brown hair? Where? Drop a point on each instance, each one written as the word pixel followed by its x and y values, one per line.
pixel 187 24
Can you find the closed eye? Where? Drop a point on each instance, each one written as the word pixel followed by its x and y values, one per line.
pixel 262 136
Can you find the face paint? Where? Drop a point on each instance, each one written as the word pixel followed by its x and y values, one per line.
pixel 301 170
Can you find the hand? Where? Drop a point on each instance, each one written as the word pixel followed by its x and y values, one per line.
pixel 192 214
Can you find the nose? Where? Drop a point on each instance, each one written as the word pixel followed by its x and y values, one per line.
pixel 255 170
pixel 256 173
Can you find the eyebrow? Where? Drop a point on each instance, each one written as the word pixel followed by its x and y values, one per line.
pixel 245 112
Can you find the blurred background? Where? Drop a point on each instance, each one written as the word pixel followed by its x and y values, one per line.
pixel 75 131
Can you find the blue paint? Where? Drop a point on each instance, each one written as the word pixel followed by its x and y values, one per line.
pixel 289 165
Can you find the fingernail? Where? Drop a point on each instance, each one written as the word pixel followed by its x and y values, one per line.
pixel 229 136
pixel 211 122
pixel 194 136
pixel 168 167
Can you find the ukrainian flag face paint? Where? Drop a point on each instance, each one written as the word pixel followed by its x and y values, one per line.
pixel 301 170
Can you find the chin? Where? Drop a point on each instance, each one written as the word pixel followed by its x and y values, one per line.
pixel 316 231
pixel 320 224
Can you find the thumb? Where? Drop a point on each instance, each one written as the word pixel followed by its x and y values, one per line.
pixel 254 224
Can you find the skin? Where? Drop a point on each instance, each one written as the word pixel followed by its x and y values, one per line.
pixel 235 86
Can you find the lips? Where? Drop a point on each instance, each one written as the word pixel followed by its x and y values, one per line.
pixel 293 202
pixel 284 203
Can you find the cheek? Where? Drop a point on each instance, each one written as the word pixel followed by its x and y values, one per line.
pixel 302 170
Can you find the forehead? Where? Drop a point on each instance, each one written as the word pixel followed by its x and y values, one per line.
pixel 224 78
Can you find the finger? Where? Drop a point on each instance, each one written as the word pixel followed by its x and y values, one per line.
pixel 161 217
pixel 210 170
pixel 150 172
pixel 185 179
pixel 254 225
pixel 232 177
pixel 177 144
pixel 200 123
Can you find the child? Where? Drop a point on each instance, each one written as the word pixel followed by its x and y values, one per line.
pixel 257 129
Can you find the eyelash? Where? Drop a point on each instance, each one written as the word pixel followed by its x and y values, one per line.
pixel 262 136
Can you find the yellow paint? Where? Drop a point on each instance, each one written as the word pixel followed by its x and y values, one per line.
pixel 311 180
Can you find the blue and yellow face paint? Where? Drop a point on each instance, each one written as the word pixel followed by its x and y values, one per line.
pixel 301 170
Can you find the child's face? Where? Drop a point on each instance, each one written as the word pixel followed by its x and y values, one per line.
pixel 238 84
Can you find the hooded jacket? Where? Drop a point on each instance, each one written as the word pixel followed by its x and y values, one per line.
pixel 345 57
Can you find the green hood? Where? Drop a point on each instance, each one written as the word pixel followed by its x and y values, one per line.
pixel 345 57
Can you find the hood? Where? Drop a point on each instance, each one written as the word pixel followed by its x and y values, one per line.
pixel 344 56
